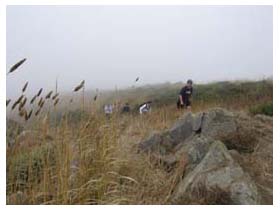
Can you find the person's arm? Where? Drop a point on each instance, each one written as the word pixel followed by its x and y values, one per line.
pixel 141 109
pixel 191 95
pixel 181 99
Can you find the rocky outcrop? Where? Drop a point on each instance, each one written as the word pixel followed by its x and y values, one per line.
pixel 201 140
pixel 217 123
pixel 219 171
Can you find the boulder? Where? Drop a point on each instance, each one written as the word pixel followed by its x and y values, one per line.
pixel 182 129
pixel 244 192
pixel 185 128
pixel 192 150
pixel 151 144
pixel 218 170
pixel 264 118
pixel 219 124
pixel 199 145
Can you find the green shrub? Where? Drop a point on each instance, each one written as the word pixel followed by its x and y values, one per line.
pixel 28 167
pixel 266 109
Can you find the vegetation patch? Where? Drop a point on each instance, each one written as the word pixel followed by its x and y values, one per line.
pixel 264 108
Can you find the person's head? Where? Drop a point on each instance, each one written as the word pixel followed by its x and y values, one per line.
pixel 189 83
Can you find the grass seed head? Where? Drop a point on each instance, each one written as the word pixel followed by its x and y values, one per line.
pixel 18 64
pixel 42 104
pixel 39 92
pixel 19 99
pixel 29 114
pixel 49 94
pixel 7 102
pixel 37 112
pixel 22 112
pixel 33 99
pixel 14 105
pixel 24 87
pixel 54 97
pixel 22 103
pixel 56 101
pixel 17 102
pixel 40 101
pixel 80 86
pixel 25 115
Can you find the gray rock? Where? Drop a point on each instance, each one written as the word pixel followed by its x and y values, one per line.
pixel 264 118
pixel 223 177
pixel 219 124
pixel 219 170
pixel 244 192
pixel 199 141
pixel 151 144
pixel 182 129
pixel 194 149
pixel 197 121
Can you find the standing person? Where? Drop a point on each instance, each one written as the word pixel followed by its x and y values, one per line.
pixel 184 99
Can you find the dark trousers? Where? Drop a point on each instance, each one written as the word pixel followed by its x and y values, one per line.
pixel 186 104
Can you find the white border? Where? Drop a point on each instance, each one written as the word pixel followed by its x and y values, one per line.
pixel 276 76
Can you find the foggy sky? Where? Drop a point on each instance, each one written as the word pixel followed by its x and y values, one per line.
pixel 112 45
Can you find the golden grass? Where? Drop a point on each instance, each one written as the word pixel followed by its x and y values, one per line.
pixel 96 163
pixel 95 160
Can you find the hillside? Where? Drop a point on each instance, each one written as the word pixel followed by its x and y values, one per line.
pixel 75 155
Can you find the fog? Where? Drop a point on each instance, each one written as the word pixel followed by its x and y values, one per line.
pixel 110 46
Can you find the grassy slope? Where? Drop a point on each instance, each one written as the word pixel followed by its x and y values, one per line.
pixel 92 160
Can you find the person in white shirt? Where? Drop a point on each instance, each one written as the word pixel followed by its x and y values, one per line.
pixel 145 107
pixel 108 109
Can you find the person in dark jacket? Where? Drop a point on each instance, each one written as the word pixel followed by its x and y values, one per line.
pixel 126 108
pixel 184 99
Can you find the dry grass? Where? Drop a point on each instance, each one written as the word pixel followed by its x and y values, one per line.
pixel 94 160
pixel 95 164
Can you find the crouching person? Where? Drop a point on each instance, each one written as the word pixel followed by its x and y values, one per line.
pixel 145 107
pixel 108 109
pixel 126 108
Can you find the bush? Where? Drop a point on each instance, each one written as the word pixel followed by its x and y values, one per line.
pixel 266 109
pixel 27 167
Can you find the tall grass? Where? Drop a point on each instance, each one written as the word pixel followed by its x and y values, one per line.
pixel 81 157
pixel 94 164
